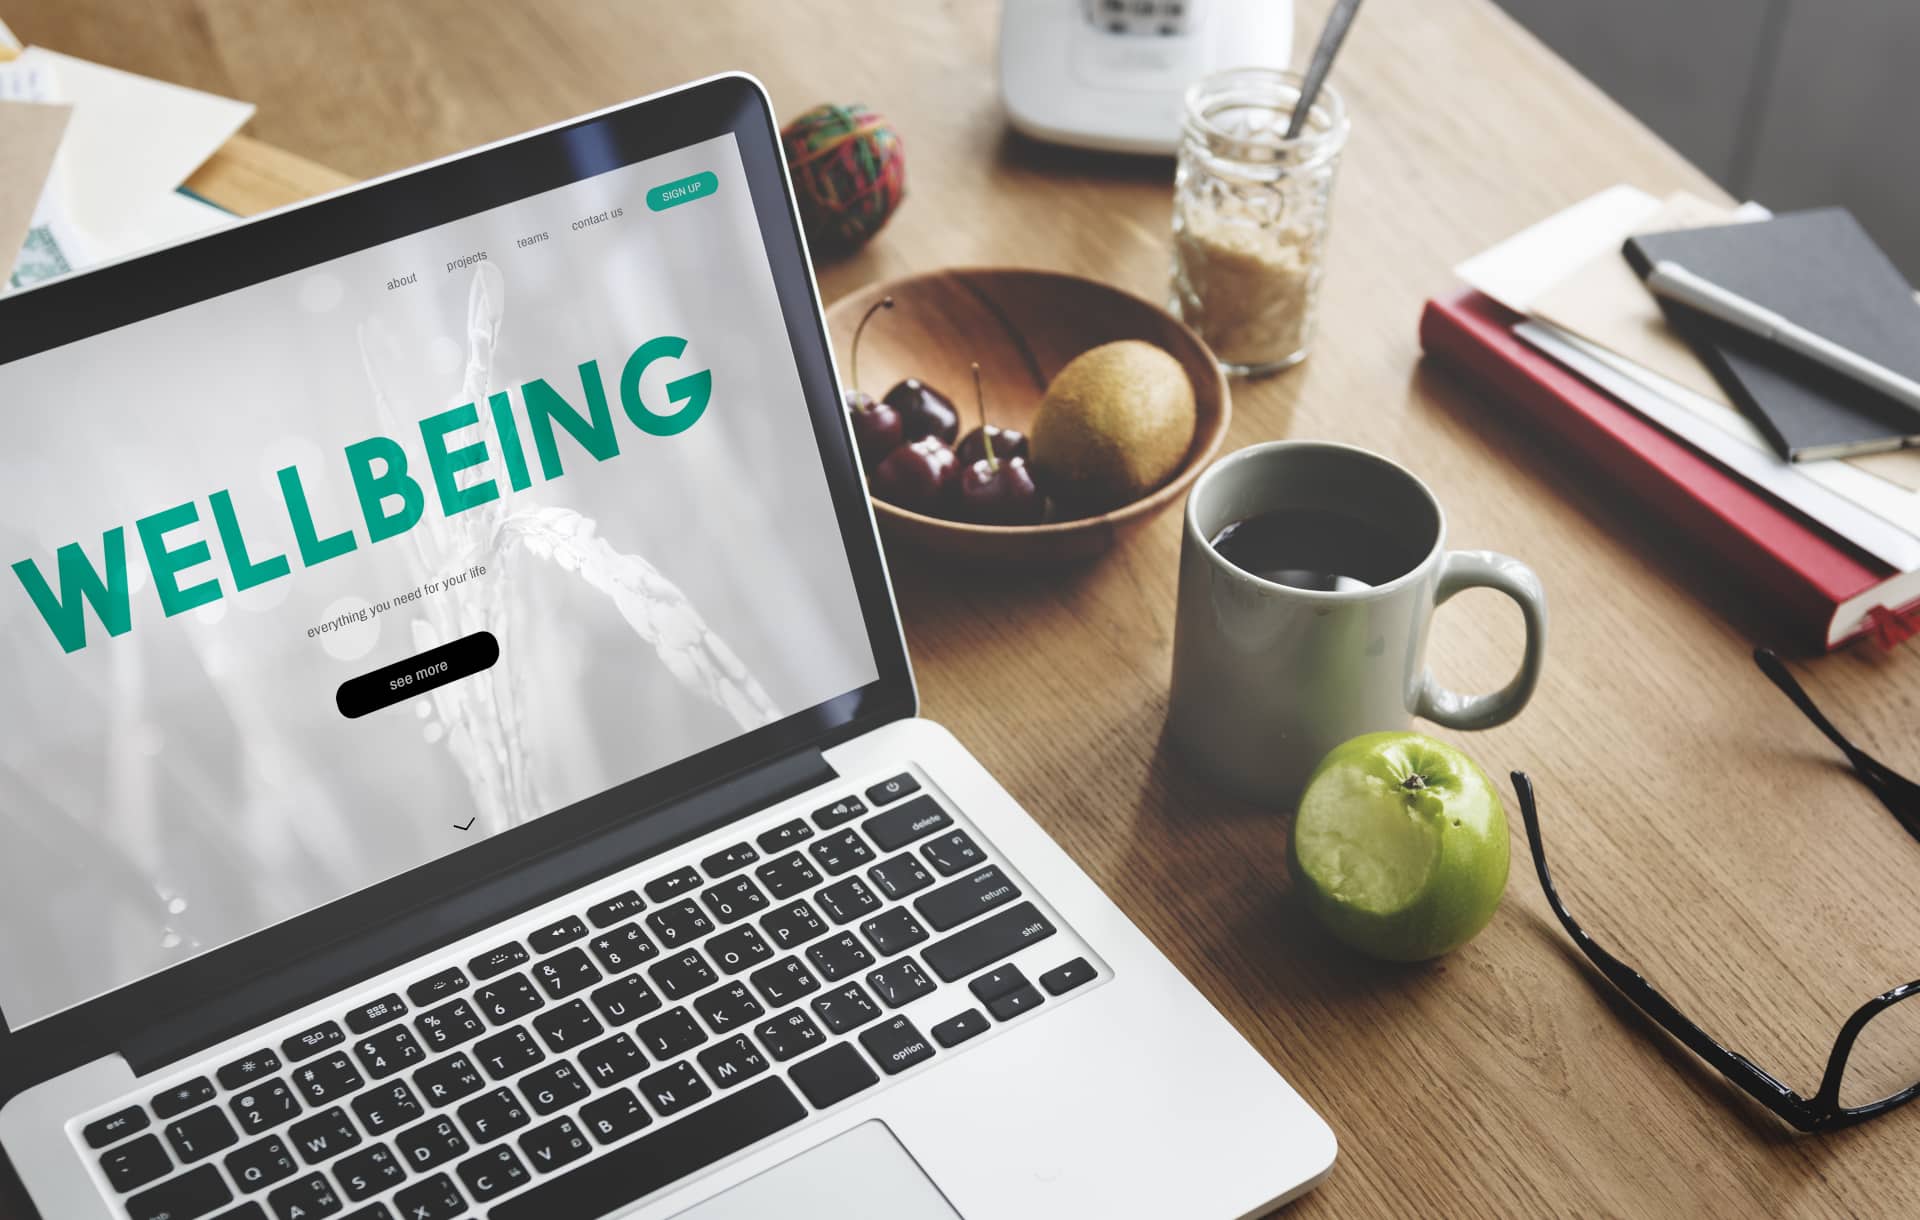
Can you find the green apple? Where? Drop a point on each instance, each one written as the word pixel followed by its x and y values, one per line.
pixel 1400 842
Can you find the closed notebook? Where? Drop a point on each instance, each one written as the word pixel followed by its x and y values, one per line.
pixel 1820 270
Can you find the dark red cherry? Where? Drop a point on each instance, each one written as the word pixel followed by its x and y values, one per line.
pixel 1000 493
pixel 924 411
pixel 876 427
pixel 1007 445
pixel 919 475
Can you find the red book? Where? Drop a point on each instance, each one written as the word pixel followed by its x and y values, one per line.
pixel 1825 591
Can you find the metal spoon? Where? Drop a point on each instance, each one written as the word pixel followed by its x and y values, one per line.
pixel 1331 36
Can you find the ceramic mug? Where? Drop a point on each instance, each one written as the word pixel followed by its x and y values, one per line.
pixel 1268 677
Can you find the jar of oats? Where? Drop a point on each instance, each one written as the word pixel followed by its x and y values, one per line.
pixel 1250 213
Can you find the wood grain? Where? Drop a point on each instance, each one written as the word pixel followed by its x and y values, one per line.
pixel 1696 822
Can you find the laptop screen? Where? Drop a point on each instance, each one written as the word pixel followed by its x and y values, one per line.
pixel 323 579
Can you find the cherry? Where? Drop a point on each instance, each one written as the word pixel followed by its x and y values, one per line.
pixel 1008 444
pixel 997 490
pixel 924 411
pixel 877 427
pixel 919 475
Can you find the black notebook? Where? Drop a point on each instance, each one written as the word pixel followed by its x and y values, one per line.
pixel 1820 270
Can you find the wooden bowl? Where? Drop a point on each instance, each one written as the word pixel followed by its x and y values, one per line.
pixel 1022 326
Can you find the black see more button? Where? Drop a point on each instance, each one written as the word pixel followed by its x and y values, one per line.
pixel 416 675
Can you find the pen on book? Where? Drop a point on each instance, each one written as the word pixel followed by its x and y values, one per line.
pixel 1674 282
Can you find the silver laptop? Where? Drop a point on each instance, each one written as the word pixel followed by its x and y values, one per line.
pixel 458 755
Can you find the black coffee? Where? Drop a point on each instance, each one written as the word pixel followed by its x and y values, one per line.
pixel 1319 549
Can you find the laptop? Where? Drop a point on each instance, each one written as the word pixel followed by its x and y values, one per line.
pixel 459 755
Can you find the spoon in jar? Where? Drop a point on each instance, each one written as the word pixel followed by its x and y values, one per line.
pixel 1331 36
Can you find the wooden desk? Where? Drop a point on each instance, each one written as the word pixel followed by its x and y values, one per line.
pixel 1698 824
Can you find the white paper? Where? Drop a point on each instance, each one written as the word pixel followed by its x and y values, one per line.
pixel 1516 271
pixel 7 39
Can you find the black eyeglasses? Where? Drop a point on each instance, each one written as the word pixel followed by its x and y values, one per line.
pixel 1825 1110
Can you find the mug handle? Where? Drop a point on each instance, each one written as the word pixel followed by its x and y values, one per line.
pixel 1462 570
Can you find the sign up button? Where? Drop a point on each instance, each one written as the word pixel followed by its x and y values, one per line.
pixel 685 190
pixel 434 668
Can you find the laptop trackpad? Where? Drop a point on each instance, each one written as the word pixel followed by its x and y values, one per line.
pixel 864 1174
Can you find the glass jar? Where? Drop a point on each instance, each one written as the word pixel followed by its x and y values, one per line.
pixel 1250 212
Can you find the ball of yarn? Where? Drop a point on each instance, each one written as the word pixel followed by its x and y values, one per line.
pixel 849 172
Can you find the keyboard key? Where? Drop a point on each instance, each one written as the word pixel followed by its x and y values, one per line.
pixel 1065 977
pixel 183 1097
pixel 389 1106
pixel 734 899
pixel 118 1125
pixel 264 1106
pixel 551 1145
pixel 793 924
pixel 374 1015
pixel 436 987
pixel 614 1117
pixel 738 948
pixel 847 900
pixel 565 973
pixel 625 999
pixel 833 1075
pixel 952 853
pixel 449 1025
pixel 845 1007
pixel 552 1088
pixel 554 935
pixel 136 1164
pixel 896 1045
pixel 892 789
pixel 498 961
pixel 369 1172
pixel 448 1080
pixel 682 974
pixel 493 1173
pixel 612 1060
pixel 613 910
pixel 839 813
pixel 904 824
pixel 390 1050
pixel 259 1165
pixel 243 1072
pixel 325 1079
pixel 186 1197
pixel 508 1053
pixel 996 983
pixel 434 1142
pixel 840 853
pixel 623 948
pixel 305 1198
pixel 893 931
pixel 957 1029
pixel 956 902
pixel 251 1210
pixel 679 924
pixel 900 983
pixel 1015 1002
pixel 995 938
pixel 641 1166
pixel 437 1198
pixel 673 1089
pixel 732 1061
pixel 491 1115
pixel 323 1136
pixel 900 876
pixel 728 1006
pixel 783 836
pixel 201 1134
pixel 671 1034
pixel 571 1024
pixel 729 860
pixel 788 875
pixel 373 1211
pixel 673 884
pixel 507 1000
pixel 312 1042
pixel 839 956
pixel 791 1033
pixel 784 981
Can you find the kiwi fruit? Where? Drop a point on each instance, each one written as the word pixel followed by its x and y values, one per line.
pixel 1116 423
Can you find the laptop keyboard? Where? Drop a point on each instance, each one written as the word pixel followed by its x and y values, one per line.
pixel 599 1057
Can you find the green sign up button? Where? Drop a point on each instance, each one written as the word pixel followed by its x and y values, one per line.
pixel 686 190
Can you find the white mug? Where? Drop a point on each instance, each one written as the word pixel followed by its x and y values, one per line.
pixel 1268 677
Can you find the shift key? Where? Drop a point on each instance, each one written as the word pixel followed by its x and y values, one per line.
pixel 993 939
pixel 958 901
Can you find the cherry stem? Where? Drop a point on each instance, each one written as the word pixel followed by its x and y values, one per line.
pixel 986 433
pixel 854 362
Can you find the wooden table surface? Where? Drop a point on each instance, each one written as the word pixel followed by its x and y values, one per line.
pixel 1698 824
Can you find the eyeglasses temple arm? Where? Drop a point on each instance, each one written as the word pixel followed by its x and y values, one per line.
pixel 1899 794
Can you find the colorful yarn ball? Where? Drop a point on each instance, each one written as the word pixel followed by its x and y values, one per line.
pixel 849 172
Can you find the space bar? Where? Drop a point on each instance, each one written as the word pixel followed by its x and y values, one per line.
pixel 635 1170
